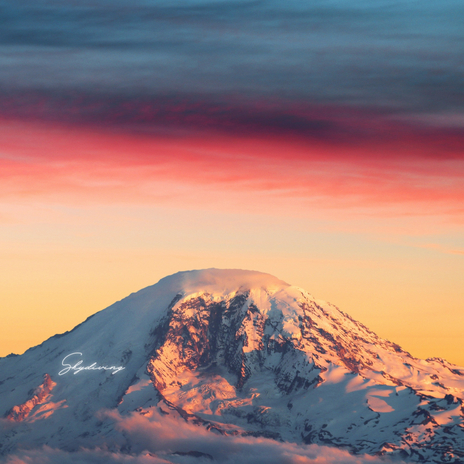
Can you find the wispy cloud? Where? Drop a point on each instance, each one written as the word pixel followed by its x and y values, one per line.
pixel 443 249
pixel 388 54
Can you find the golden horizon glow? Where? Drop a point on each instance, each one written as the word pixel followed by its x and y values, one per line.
pixel 90 216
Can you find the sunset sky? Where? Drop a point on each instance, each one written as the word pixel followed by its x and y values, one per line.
pixel 319 141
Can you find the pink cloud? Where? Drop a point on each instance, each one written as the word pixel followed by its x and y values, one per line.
pixel 443 249
pixel 209 170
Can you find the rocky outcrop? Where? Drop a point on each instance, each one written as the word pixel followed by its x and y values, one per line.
pixel 38 396
pixel 266 360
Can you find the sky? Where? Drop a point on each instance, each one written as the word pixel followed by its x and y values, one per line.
pixel 319 141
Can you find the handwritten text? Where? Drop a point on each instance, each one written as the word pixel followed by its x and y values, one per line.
pixel 77 367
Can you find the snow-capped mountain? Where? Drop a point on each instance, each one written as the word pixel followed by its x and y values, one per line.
pixel 236 353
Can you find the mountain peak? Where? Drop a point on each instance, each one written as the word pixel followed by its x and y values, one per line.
pixel 240 352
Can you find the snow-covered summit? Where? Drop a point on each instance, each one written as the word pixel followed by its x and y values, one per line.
pixel 222 281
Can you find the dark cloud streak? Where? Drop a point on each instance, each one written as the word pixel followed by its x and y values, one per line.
pixel 178 114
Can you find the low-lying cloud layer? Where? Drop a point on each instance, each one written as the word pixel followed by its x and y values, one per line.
pixel 165 439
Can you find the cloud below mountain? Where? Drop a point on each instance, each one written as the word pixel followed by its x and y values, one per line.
pixel 162 439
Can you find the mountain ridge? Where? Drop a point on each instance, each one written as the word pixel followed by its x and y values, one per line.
pixel 239 352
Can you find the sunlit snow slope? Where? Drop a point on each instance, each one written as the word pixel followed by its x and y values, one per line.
pixel 236 352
